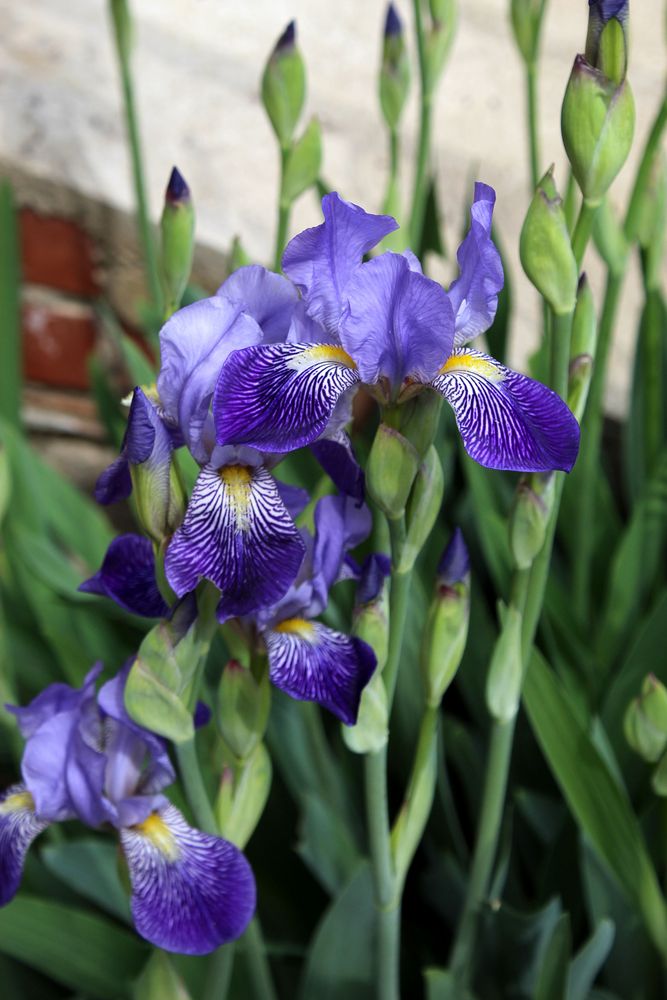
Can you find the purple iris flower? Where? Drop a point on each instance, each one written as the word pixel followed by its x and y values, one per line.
pixel 307 659
pixel 86 759
pixel 392 328
pixel 127 576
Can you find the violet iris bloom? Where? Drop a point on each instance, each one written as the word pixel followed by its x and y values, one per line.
pixel 86 759
pixel 388 326
pixel 127 576
pixel 307 659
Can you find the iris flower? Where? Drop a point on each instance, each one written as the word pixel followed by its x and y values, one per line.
pixel 85 759
pixel 384 324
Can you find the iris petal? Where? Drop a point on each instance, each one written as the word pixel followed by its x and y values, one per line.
pixel 191 891
pixel 238 534
pixel 311 662
pixel 507 420
pixel 127 576
pixel 18 828
pixel 280 397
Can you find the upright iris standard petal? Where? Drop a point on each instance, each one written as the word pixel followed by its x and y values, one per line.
pixel 321 261
pixel 194 344
pixel 269 298
pixel 474 294
pixel 395 322
pixel 191 891
pixel 311 662
pixel 280 397
pixel 127 576
pixel 507 420
pixel 238 534
pixel 115 483
pixel 18 828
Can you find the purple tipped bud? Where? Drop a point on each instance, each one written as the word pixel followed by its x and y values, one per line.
pixel 606 9
pixel 177 189
pixel 393 24
pixel 606 43
pixel 287 40
pixel 454 565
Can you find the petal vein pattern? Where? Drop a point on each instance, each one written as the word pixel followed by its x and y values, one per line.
pixel 18 828
pixel 280 397
pixel 507 420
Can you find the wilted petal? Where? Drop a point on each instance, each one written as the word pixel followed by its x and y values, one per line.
pixel 266 296
pixel 18 828
pixel 280 397
pixel 321 261
pixel 395 322
pixel 127 576
pixel 238 534
pixel 311 662
pixel 474 294
pixel 191 891
pixel 507 420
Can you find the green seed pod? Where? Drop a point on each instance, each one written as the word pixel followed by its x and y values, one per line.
pixel 177 227
pixel 391 471
pixel 284 86
pixel 394 70
pixel 530 517
pixel 243 708
pixel 546 250
pixel 423 508
pixel 503 684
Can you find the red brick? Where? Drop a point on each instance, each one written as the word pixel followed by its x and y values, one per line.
pixel 57 342
pixel 57 253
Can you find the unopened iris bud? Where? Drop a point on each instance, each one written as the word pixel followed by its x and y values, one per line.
pixel 579 382
pixel 439 38
pixel 446 629
pixel 645 722
pixel 530 517
pixel 177 226
pixel 606 40
pixel 395 69
pixel 391 471
pixel 242 796
pixel 546 250
pixel 584 326
pixel 659 777
pixel 526 16
pixel 423 508
pixel 370 619
pixel 419 419
pixel 597 123
pixel 243 709
pixel 371 731
pixel 284 86
pixel 503 684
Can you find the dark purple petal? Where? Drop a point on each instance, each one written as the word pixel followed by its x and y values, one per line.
pixel 203 715
pixel 321 261
pixel 280 397
pixel 295 498
pixel 127 576
pixel 507 420
pixel 18 828
pixel 178 192
pixel 191 891
pixel 393 24
pixel 238 534
pixel 266 296
pixel 474 294
pixel 115 483
pixel 340 524
pixel 194 344
pixel 395 322
pixel 337 458
pixel 376 569
pixel 311 662
pixel 454 564
pixel 143 425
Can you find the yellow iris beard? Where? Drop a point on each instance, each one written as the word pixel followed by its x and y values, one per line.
pixel 469 363
pixel 297 626
pixel 322 352
pixel 156 830
pixel 238 484
pixel 17 802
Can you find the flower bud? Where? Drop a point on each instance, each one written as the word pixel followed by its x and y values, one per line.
pixel 242 796
pixel 530 517
pixel 395 69
pixel 597 123
pixel 284 86
pixel 545 248
pixel 423 508
pixel 303 163
pixel 419 418
pixel 659 777
pixel 391 471
pixel 243 708
pixel 606 42
pixel 503 684
pixel 439 38
pixel 371 731
pixel 584 326
pixel 645 722
pixel 370 620
pixel 446 628
pixel 158 687
pixel 526 18
pixel 579 382
pixel 178 227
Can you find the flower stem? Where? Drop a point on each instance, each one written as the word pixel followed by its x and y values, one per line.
pixel 398 608
pixel 384 878
pixel 532 121
pixel 258 963
pixel 193 783
pixel 283 213
pixel 221 966
pixel 421 178
pixel 582 230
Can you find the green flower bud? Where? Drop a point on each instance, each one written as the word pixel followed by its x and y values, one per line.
pixel 242 796
pixel 303 163
pixel 423 508
pixel 159 511
pixel 371 731
pixel 659 778
pixel 597 123
pixel 284 86
pixel 439 38
pixel 545 248
pixel 370 622
pixel 419 418
pixel 606 42
pixel 395 69
pixel 446 628
pixel 579 382
pixel 645 722
pixel 178 227
pixel 584 326
pixel 526 18
pixel 530 517
pixel 243 708
pixel 391 471
pixel 503 684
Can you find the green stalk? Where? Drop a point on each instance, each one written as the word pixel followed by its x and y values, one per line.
pixel 283 213
pixel 219 975
pixel 258 963
pixel 421 177
pixel 532 121
pixel 195 789
pixel 120 15
pixel 583 230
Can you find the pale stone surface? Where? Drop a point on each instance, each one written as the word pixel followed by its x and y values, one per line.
pixel 197 69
